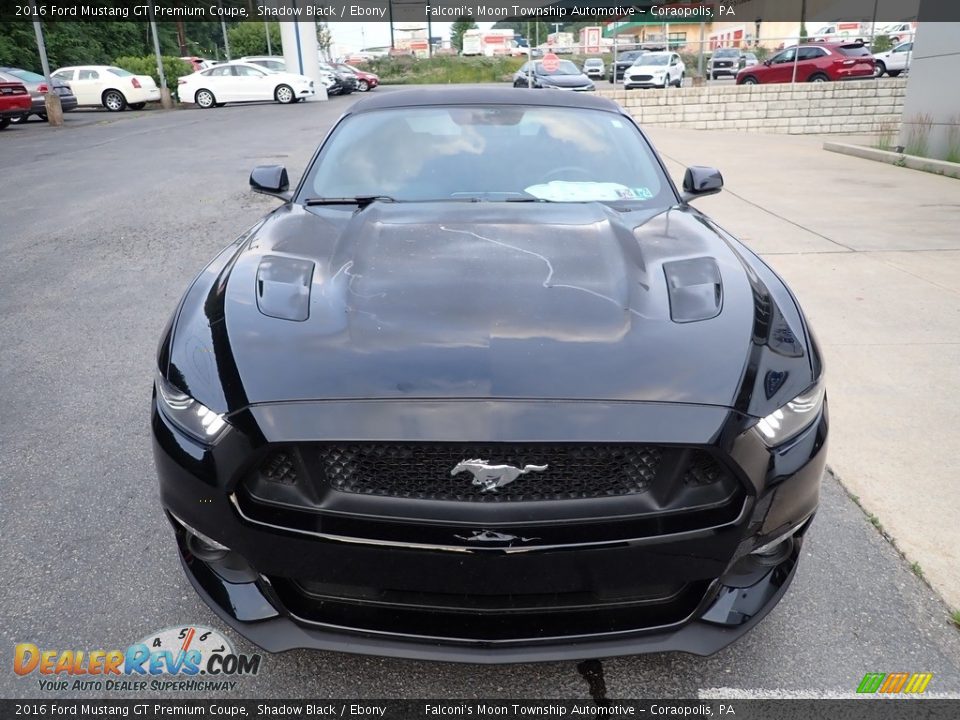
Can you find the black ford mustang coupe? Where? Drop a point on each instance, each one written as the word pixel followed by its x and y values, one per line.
pixel 486 388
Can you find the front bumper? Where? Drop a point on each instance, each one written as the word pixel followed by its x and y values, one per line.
pixel 715 589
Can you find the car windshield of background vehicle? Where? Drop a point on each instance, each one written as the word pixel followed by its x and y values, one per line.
pixel 497 153
pixel 653 60
pixel 564 68
pixel 855 50
pixel 726 52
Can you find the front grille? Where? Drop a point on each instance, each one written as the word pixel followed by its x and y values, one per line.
pixel 424 470
pixel 641 78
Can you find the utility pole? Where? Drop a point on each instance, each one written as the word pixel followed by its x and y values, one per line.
pixel 266 31
pixel 223 29
pixel 51 100
pixel 165 100
pixel 390 12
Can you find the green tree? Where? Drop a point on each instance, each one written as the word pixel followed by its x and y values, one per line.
pixel 250 38
pixel 458 29
pixel 881 43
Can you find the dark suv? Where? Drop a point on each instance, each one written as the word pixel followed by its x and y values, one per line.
pixel 820 62
pixel 725 61
pixel 624 60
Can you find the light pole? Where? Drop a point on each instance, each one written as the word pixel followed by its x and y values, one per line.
pixel 51 100
pixel 165 100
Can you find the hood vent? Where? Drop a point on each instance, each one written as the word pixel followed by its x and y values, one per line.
pixel 283 287
pixel 696 292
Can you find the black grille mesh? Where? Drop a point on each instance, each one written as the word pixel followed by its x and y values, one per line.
pixel 280 467
pixel 423 471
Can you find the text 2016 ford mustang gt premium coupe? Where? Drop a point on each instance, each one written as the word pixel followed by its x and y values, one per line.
pixel 486 388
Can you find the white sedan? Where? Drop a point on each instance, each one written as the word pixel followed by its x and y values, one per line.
pixel 112 87
pixel 242 82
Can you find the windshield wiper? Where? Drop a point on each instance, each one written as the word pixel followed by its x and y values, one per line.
pixel 528 199
pixel 361 201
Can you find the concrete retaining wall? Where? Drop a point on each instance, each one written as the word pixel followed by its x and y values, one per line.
pixel 862 106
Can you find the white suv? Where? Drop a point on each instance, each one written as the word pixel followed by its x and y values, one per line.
pixel 655 69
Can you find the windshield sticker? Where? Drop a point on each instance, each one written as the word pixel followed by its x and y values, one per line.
pixel 567 191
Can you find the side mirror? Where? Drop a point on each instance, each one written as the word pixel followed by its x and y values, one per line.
pixel 768 63
pixel 271 180
pixel 699 181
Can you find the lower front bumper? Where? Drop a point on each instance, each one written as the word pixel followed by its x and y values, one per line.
pixel 732 613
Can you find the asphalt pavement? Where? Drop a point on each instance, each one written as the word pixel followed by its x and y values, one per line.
pixel 104 224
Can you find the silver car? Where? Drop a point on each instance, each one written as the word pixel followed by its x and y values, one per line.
pixel 594 68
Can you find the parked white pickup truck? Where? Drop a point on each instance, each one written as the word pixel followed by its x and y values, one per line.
pixel 893 61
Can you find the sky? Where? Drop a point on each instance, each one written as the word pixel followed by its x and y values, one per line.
pixel 352 36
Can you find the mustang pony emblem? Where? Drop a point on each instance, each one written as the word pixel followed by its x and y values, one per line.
pixel 491 477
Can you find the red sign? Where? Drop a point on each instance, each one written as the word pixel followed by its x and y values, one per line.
pixel 551 63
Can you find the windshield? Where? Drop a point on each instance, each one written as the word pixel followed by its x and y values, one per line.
pixel 726 52
pixel 494 153
pixel 565 67
pixel 653 60
pixel 593 62
pixel 119 72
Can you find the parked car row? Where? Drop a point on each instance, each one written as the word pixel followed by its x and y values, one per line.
pixel 212 84
pixel 36 86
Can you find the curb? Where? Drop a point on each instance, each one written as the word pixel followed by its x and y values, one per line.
pixel 937 167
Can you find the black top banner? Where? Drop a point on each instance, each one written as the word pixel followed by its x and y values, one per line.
pixel 600 12
pixel 876 709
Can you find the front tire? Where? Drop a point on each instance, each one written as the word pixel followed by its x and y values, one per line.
pixel 4 122
pixel 20 119
pixel 680 81
pixel 818 78
pixel 879 70
pixel 363 86
pixel 114 101
pixel 205 99
pixel 284 94
pixel 749 80
pixel 894 73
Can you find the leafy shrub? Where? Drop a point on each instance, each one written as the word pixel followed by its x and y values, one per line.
pixel 173 68
pixel 881 43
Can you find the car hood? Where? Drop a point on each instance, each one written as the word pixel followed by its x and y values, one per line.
pixel 483 300
pixel 649 69
pixel 564 80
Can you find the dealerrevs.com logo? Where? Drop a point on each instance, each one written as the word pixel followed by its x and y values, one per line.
pixel 188 658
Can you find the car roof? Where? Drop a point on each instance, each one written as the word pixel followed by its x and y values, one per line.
pixel 436 97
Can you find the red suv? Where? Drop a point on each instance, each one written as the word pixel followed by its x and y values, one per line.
pixel 820 62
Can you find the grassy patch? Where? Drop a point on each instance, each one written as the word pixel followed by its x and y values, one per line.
pixel 918 134
pixel 955 618
pixel 404 70
pixel 953 140
pixel 917 570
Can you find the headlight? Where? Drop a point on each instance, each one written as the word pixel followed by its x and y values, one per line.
pixel 194 418
pixel 788 421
